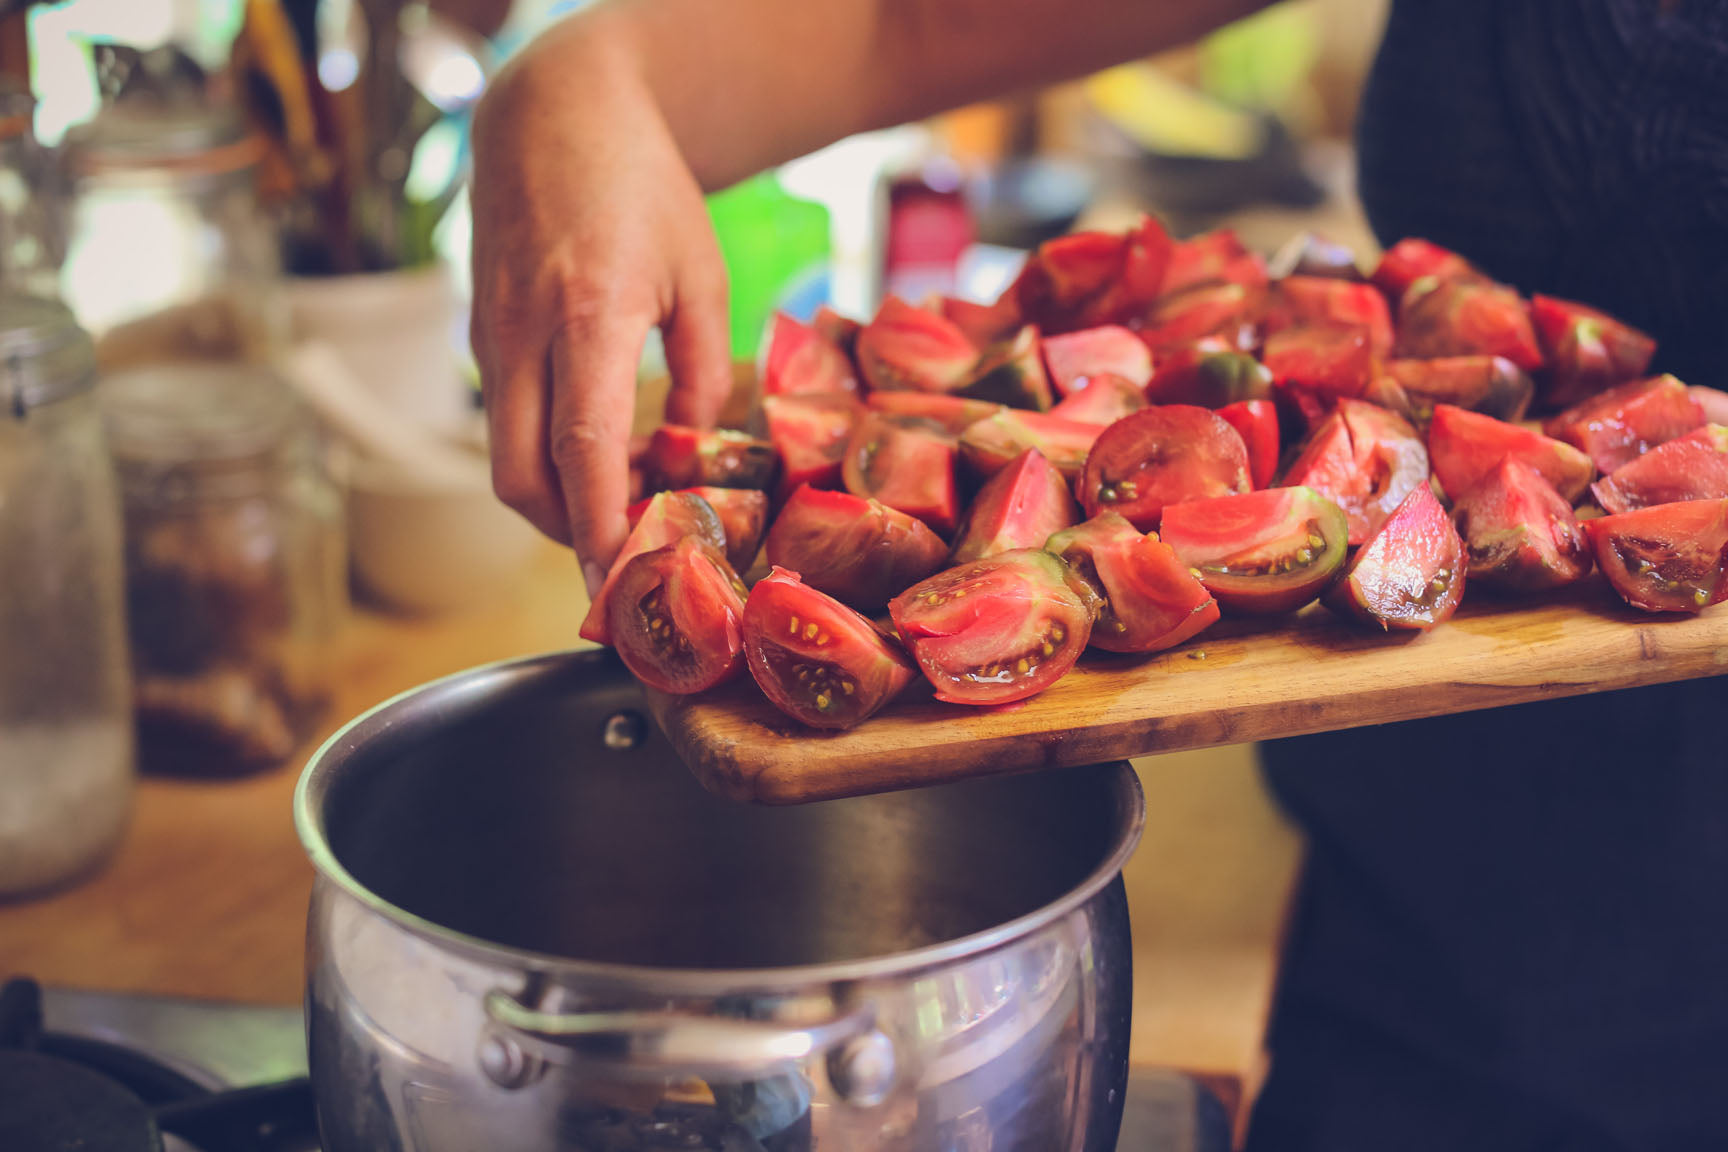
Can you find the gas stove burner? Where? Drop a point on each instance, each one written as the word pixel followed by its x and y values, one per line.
pixel 64 1091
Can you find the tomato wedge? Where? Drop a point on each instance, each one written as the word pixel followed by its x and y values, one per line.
pixel 675 616
pixel 1256 421
pixel 1328 300
pixel 1617 426
pixel 1365 459
pixel 743 516
pixel 1410 574
pixel 855 549
pixel 1588 351
pixel 1689 467
pixel 1668 558
pixel 1465 446
pixel 907 463
pixel 1105 399
pixel 1019 507
pixel 1492 385
pixel 983 324
pixel 1075 358
pixel 1160 456
pixel 1208 374
pixel 1519 533
pixel 992 444
pixel 1328 358
pixel 1229 312
pixel 809 432
pixel 1213 257
pixel 908 348
pixel 955 413
pixel 666 518
pixel 799 359
pixel 815 659
pixel 1149 600
pixel 1464 318
pixel 1012 373
pixel 681 457
pixel 998 629
pixel 1413 259
pixel 1260 553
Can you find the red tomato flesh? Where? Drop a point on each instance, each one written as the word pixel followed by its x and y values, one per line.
pixel 799 359
pixel 815 659
pixel 675 616
pixel 1466 318
pixel 1260 552
pixel 1588 351
pixel 666 518
pixel 1413 259
pixel 1104 400
pixel 1149 600
pixel 1019 507
pixel 983 324
pixel 1410 574
pixel 1689 467
pixel 992 444
pixel 1617 426
pixel 1213 257
pixel 743 516
pixel 1227 311
pixel 1520 535
pixel 1256 421
pixel 1074 358
pixel 998 629
pixel 1332 359
pixel 905 463
pixel 1366 460
pixel 1158 456
pixel 908 348
pixel 1208 374
pixel 955 413
pixel 809 432
pixel 1667 558
pixel 1329 300
pixel 1012 373
pixel 680 457
pixel 1466 446
pixel 857 550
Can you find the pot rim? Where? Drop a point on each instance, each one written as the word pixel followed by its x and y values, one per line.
pixel 325 763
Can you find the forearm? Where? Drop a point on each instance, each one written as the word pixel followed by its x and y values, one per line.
pixel 745 84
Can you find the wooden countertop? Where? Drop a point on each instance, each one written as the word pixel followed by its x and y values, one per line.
pixel 207 895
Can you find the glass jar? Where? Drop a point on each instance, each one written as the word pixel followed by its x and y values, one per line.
pixel 32 201
pixel 169 256
pixel 234 564
pixel 66 752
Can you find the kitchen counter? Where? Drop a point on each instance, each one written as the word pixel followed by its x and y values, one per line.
pixel 206 897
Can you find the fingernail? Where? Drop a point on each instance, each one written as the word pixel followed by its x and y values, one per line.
pixel 593 577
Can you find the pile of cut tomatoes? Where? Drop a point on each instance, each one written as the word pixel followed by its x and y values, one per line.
pixel 1142 435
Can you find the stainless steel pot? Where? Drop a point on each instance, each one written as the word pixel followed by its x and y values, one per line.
pixel 532 929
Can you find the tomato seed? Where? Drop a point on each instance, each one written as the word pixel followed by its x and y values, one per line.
pixel 1020 666
pixel 810 630
pixel 847 687
pixel 794 631
pixel 1700 597
pixel 824 701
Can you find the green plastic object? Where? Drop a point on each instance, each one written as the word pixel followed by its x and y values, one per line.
pixel 776 250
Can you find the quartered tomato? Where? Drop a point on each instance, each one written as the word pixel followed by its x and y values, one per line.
pixel 1209 374
pixel 998 629
pixel 1328 300
pixel 1466 318
pixel 1260 552
pixel 675 615
pixel 680 457
pixel 1019 507
pixel 1410 574
pixel 1465 446
pixel 1086 279
pixel 992 444
pixel 906 463
pixel 983 324
pixel 1213 257
pixel 1104 400
pixel 1227 311
pixel 1588 351
pixel 1713 402
pixel 1075 358
pixel 1331 359
pixel 810 433
pixel 1519 533
pixel 857 550
pixel 743 516
pixel 799 359
pixel 1492 385
pixel 667 518
pixel 1668 558
pixel 908 348
pixel 955 413
pixel 1012 373
pixel 1366 460
pixel 840 331
pixel 1150 601
pixel 1617 426
pixel 1689 467
pixel 1414 259
pixel 1256 421
pixel 817 660
pixel 1160 456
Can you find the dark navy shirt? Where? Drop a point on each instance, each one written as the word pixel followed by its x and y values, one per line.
pixel 1514 931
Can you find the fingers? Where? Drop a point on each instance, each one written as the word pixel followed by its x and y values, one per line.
pixel 698 342
pixel 513 381
pixel 593 382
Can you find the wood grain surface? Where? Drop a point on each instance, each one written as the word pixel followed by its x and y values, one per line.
pixel 1241 681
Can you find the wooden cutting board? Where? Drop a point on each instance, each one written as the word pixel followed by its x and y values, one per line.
pixel 1240 681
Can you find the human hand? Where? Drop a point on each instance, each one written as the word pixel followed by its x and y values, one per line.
pixel 589 229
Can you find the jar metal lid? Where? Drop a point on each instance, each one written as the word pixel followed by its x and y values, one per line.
pixel 44 355
pixel 197 413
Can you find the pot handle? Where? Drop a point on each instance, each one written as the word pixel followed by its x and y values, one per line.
pixel 663 1043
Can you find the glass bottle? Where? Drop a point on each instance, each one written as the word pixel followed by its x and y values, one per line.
pixel 234 564
pixel 66 743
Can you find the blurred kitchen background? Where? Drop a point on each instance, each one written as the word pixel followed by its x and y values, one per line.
pixel 240 447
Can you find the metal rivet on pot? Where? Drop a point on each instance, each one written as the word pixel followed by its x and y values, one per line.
pixel 624 731
pixel 862 1069
pixel 507 1065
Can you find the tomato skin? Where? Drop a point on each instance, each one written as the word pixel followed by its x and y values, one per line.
pixel 1149 600
pixel 1012 373
pixel 857 550
pixel 815 659
pixel 680 457
pixel 1074 358
pixel 1332 359
pixel 1086 279
pixel 983 324
pixel 1229 312
pixel 1260 553
pixel 1519 533
pixel 1300 300
pixel 955 413
pixel 1105 399
pixel 1364 458
pixel 799 359
pixel 1666 558
pixel 996 630
pixel 1617 426
pixel 1410 573
pixel 1208 374
pixel 1465 446
pixel 809 432
pixel 1158 456
pixel 992 444
pixel 1689 467
pixel 666 518
pixel 1218 256
pixel 1588 351
pixel 908 348
pixel 1256 421
pixel 1463 317
pixel 1019 507
pixel 1412 259
pixel 675 617
pixel 1492 385
pixel 906 463
pixel 743 514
